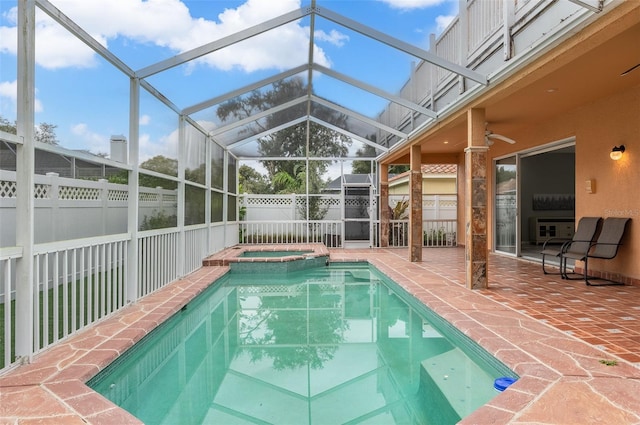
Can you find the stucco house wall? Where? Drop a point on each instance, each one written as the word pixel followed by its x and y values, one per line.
pixel 436 180
pixel 597 127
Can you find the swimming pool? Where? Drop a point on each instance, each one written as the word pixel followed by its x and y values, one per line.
pixel 327 345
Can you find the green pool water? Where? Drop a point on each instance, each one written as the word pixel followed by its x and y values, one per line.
pixel 328 345
pixel 272 254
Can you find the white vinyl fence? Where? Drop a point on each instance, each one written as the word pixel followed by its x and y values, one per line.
pixel 81 269
pixel 84 279
pixel 280 219
pixel 68 209
pixel 435 233
pixel 286 232
pixel 78 283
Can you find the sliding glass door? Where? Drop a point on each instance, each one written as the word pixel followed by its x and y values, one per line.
pixel 506 205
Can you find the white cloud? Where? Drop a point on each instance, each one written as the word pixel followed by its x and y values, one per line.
pixel 207 125
pixel 9 89
pixel 334 37
pixel 412 4
pixel 280 48
pixel 55 47
pixel 145 119
pixel 147 150
pixel 443 21
pixel 166 146
pixel 89 140
pixel 9 94
pixel 8 98
pixel 283 48
pixel 168 23
pixel 8 40
pixel 149 146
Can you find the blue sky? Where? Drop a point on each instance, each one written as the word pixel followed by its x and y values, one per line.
pixel 87 98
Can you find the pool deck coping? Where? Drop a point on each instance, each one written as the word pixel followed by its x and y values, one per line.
pixel 562 379
pixel 234 254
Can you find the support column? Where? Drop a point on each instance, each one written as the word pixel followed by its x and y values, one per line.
pixel 385 215
pixel 476 201
pixel 25 180
pixel 132 283
pixel 415 203
pixel 182 198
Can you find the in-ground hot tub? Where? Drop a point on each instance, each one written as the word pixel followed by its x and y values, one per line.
pixel 281 258
pixel 272 254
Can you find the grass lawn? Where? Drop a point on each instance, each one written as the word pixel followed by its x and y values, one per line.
pixel 82 302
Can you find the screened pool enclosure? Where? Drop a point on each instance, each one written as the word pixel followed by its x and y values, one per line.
pixel 129 156
pixel 97 226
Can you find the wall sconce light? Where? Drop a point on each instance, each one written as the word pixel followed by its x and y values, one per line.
pixel 616 152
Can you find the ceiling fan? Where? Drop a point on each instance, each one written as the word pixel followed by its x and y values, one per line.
pixel 490 135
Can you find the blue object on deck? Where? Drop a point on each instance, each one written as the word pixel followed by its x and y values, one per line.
pixel 503 383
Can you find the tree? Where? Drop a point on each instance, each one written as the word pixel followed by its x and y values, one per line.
pixel 197 175
pixel 7 126
pixel 160 164
pixel 252 181
pixel 363 167
pixel 398 169
pixel 121 177
pixel 505 173
pixel 290 142
pixel 158 220
pixel 297 183
pixel 294 338
pixel 44 132
pixel 195 197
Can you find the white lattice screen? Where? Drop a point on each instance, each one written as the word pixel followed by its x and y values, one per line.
pixel 7 189
pixel 149 197
pixel 80 208
pixel 118 195
pixel 41 191
pixel 79 193
pixel 275 200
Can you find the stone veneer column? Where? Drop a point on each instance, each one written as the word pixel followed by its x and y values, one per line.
pixel 384 205
pixel 476 201
pixel 415 203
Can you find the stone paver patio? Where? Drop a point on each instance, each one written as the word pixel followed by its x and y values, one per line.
pixel 554 334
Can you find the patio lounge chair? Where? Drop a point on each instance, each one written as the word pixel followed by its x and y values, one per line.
pixel 582 238
pixel 605 247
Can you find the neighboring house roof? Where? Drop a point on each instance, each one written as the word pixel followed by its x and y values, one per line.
pixel 336 184
pixel 447 170
pixel 442 169
pixel 61 161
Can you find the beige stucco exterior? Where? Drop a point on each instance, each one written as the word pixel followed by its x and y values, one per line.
pixel 441 181
pixel 574 92
pixel 597 127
